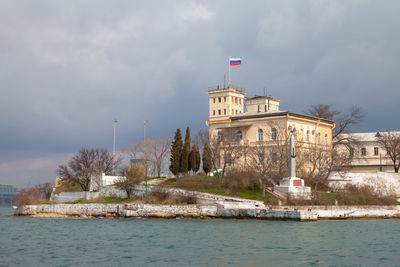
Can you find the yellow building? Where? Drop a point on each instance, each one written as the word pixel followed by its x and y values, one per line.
pixel 258 120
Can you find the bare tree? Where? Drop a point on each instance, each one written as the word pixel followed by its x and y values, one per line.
pixel 139 155
pixel 343 121
pixel 263 159
pixel 45 190
pixel 86 163
pixel 225 149
pixel 158 151
pixel 390 141
pixel 152 153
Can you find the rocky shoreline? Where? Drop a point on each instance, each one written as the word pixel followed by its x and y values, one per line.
pixel 220 210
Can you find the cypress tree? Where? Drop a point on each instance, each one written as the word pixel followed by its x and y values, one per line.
pixel 197 159
pixel 184 167
pixel 194 159
pixel 207 164
pixel 176 153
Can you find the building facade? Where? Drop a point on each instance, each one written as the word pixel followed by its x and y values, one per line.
pixel 8 194
pixel 259 120
pixel 368 155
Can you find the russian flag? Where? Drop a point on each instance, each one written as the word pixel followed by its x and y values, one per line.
pixel 235 61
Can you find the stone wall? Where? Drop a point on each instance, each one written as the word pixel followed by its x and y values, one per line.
pixel 204 198
pixel 385 183
pixel 162 211
pixel 221 210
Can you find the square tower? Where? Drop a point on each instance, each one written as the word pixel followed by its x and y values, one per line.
pixel 261 104
pixel 225 103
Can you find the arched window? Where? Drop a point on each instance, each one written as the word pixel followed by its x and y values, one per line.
pixel 319 138
pixel 260 135
pixel 273 134
pixel 326 139
pixel 308 136
pixel 239 135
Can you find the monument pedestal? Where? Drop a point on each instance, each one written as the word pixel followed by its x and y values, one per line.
pixel 293 186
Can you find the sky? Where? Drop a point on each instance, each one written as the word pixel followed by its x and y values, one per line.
pixel 69 68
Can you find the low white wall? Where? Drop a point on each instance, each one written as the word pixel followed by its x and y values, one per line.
pixel 385 183
pixel 203 198
pixel 236 210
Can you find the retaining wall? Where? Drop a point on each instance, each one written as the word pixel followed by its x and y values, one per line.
pixel 203 198
pixel 385 183
pixel 161 211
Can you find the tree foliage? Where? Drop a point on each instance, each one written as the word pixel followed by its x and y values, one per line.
pixel 86 163
pixel 194 159
pixel 184 166
pixel 176 153
pixel 133 176
pixel 207 164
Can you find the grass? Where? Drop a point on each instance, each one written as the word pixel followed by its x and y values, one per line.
pixel 216 191
pixel 103 200
pixel 170 182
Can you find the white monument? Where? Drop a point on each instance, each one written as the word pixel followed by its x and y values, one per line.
pixel 292 185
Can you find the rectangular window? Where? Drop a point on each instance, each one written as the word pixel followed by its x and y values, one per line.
pixel 219 99
pixel 351 152
pixel 240 101
pixel 363 151
pixel 214 99
pixel 376 151
pixel 224 98
pixel 219 112
pixel 213 112
pixel 224 111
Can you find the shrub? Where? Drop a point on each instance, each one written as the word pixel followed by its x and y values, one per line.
pixel 362 195
pixel 161 197
pixel 28 197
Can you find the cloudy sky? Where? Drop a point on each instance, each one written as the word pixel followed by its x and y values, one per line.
pixel 68 68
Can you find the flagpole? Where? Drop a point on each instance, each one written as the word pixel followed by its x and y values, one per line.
pixel 229 73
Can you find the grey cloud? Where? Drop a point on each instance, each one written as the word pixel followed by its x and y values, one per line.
pixel 68 69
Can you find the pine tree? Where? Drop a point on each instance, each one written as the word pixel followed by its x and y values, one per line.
pixel 207 165
pixel 176 153
pixel 184 166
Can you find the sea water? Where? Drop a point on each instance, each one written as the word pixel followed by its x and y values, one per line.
pixel 191 242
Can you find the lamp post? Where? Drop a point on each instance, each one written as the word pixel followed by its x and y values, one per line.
pixel 113 160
